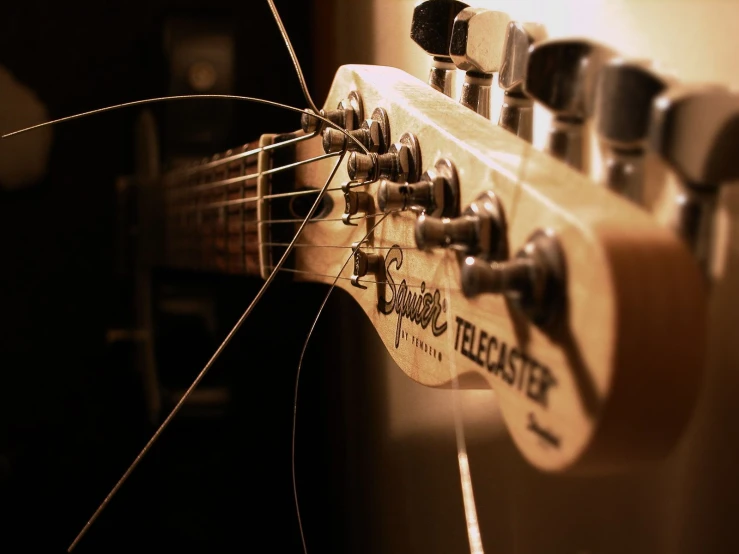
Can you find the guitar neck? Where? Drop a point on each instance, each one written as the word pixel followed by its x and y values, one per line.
pixel 220 214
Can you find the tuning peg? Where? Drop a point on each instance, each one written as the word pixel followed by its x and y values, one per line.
pixel 695 129
pixel 402 162
pixel 374 134
pixel 534 279
pixel 475 47
pixel 431 29
pixel 348 115
pixel 624 98
pixel 517 111
pixel 479 231
pixel 562 74
pixel 436 194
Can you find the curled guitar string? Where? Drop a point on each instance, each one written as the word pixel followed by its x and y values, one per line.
pixel 465 476
pixel 300 365
pixel 154 100
pixel 207 366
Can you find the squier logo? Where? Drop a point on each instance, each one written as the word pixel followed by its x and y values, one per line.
pixel 422 308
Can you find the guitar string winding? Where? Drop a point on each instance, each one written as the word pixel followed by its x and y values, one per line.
pixel 300 365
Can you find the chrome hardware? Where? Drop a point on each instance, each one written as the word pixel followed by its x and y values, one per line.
pixel 562 75
pixel 374 134
pixel 479 231
pixel 517 111
pixel 534 280
pixel 366 263
pixel 357 202
pixel 436 194
pixel 402 162
pixel 623 104
pixel 431 29
pixel 476 46
pixel 695 130
pixel 348 115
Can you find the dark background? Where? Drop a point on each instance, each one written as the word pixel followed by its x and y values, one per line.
pixel 72 413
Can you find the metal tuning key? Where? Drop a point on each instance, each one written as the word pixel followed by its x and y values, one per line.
pixel 696 130
pixel 366 263
pixel 534 280
pixel 436 194
pixel 623 104
pixel 373 134
pixel 431 29
pixel 401 163
pixel 517 111
pixel 479 231
pixel 476 46
pixel 562 75
pixel 348 115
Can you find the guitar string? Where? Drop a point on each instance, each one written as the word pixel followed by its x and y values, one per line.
pixel 208 365
pixel 187 170
pixel 297 377
pixel 366 282
pixel 241 178
pixel 468 497
pixel 173 98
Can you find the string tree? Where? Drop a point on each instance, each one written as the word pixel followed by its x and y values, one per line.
pixel 356 202
pixel 431 29
pixel 517 110
pixel 476 46
pixel 480 231
pixel 373 134
pixel 366 263
pixel 348 115
pixel 401 162
pixel 435 194
pixel 533 280
pixel 561 74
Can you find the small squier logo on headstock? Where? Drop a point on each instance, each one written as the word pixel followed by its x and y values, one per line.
pixel 422 308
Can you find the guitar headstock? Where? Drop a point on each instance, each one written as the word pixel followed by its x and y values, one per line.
pixel 513 271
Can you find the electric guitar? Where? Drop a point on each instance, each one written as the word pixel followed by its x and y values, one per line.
pixel 480 261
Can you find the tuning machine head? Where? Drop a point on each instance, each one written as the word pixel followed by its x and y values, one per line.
pixel 373 134
pixel 480 230
pixel 562 74
pixel 348 115
pixel 695 130
pixel 625 92
pixel 516 113
pixel 534 280
pixel 436 193
pixel 402 162
pixel 475 47
pixel 431 29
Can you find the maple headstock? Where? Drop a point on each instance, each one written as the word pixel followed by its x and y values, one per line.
pixel 610 375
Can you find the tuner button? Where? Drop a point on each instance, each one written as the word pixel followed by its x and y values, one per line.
pixel 475 47
pixel 695 129
pixel 534 280
pixel 516 113
pixel 431 29
pixel 624 98
pixel 562 74
pixel 480 231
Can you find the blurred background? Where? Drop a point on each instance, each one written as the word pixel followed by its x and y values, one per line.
pixel 377 458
